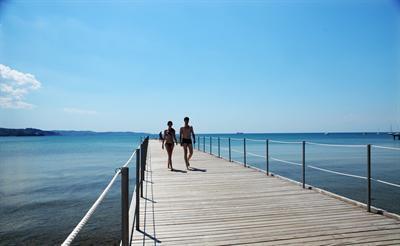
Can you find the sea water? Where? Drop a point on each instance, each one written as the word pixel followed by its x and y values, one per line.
pixel 47 184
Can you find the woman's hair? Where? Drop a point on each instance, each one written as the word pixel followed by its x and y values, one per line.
pixel 169 122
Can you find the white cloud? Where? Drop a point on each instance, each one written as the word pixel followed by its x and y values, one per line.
pixel 14 86
pixel 79 111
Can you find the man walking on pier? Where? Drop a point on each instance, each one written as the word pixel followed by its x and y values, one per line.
pixel 185 137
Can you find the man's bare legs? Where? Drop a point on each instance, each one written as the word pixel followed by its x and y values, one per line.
pixel 190 151
pixel 185 155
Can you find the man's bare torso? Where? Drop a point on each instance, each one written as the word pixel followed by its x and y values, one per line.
pixel 186 132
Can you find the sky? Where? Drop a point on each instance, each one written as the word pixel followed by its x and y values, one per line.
pixel 231 66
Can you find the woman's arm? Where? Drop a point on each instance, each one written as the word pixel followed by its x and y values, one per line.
pixel 163 140
pixel 176 141
pixel 180 135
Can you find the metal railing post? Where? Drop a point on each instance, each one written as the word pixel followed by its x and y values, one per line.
pixel 210 145
pixel 369 178
pixel 229 143
pixel 124 206
pixel 244 151
pixel 304 165
pixel 219 148
pixel 137 204
pixel 142 160
pixel 267 156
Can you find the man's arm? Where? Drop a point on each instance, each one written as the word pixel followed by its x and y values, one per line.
pixel 194 137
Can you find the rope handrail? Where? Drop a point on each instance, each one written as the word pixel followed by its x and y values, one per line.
pixel 338 145
pixel 93 208
pixel 287 162
pixel 326 170
pixel 256 140
pixel 385 147
pixel 89 214
pixel 285 142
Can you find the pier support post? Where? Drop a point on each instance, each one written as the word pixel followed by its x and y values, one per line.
pixel 219 148
pixel 124 206
pixel 137 203
pixel 244 152
pixel 267 156
pixel 229 147
pixel 304 165
pixel 369 177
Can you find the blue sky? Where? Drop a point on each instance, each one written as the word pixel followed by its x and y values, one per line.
pixel 249 66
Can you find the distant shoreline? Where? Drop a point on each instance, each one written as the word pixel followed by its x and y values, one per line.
pixel 33 132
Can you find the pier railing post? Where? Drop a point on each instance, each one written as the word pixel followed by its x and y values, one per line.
pixel 142 161
pixel 304 165
pixel 229 147
pixel 124 206
pixel 137 203
pixel 244 152
pixel 219 148
pixel 369 178
pixel 267 156
pixel 210 145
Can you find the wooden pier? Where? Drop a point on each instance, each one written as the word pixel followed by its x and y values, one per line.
pixel 395 135
pixel 224 203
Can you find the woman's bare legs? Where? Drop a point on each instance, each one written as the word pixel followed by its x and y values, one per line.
pixel 170 149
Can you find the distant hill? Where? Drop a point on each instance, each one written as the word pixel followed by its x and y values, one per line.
pixel 6 132
pixel 84 133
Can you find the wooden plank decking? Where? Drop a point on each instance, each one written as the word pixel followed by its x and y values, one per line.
pixel 227 204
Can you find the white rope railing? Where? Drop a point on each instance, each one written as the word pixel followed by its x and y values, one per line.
pixel 338 145
pixel 384 147
pixel 286 162
pixel 256 140
pixel 284 142
pixel 87 216
pixel 325 170
pixel 92 209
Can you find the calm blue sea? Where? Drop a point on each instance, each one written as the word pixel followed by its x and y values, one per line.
pixel 48 183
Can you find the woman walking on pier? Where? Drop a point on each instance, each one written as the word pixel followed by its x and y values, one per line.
pixel 169 139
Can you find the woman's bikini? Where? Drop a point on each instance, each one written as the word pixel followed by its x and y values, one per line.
pixel 169 137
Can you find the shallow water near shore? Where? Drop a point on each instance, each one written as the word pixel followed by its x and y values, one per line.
pixel 47 184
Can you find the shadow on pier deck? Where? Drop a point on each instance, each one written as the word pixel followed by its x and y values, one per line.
pixel 223 203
